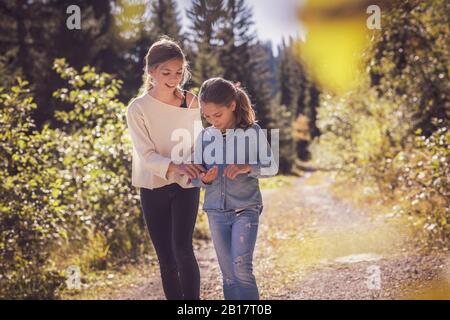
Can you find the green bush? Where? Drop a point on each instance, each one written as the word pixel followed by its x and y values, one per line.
pixel 97 160
pixel 66 194
pixel 32 220
pixel 424 176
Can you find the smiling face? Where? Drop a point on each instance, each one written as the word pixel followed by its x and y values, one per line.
pixel 167 75
pixel 221 117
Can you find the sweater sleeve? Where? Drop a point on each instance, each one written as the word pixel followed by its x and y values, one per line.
pixel 143 143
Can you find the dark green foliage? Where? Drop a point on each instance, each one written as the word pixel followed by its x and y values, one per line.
pixel 63 189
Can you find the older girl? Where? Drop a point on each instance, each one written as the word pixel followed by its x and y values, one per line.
pixel 169 201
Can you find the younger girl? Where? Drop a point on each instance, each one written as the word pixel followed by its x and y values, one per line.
pixel 233 200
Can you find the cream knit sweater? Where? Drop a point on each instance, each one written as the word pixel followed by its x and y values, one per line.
pixel 153 128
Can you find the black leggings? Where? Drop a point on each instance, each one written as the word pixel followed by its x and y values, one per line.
pixel 170 213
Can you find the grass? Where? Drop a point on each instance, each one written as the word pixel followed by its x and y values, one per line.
pixel 275 182
pixel 100 279
pixel 108 284
pixel 397 207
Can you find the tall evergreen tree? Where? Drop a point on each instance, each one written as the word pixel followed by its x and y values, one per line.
pixel 205 17
pixel 280 117
pixel 243 58
pixel 165 20
pixel 112 34
pixel 133 35
pixel 258 81
pixel 308 91
pixel 300 95
pixel 289 91
pixel 34 33
pixel 292 79
pixel 237 36
pixel 271 63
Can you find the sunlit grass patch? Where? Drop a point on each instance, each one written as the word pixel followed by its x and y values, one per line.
pixel 312 249
pixel 109 284
pixel 277 181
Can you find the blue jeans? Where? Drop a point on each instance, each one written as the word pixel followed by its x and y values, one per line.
pixel 234 237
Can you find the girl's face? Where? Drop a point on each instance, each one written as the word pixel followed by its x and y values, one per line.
pixel 219 116
pixel 167 75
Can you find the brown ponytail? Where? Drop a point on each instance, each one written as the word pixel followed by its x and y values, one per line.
pixel 224 92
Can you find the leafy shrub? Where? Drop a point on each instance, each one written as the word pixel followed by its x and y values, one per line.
pixel 32 219
pixel 65 191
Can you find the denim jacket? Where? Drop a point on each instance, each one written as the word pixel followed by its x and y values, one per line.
pixel 243 192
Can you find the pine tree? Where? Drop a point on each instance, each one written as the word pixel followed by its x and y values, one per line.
pixel 300 95
pixel 165 20
pixel 237 36
pixel 133 36
pixel 308 91
pixel 34 33
pixel 258 81
pixel 243 58
pixel 205 17
pixel 284 75
pixel 289 84
pixel 280 117
pixel 271 62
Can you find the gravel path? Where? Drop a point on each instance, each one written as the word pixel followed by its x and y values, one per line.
pixel 314 246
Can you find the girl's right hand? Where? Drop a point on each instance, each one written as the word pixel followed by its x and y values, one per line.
pixel 193 171
pixel 209 177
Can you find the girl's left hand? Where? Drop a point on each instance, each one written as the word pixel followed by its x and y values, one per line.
pixel 231 171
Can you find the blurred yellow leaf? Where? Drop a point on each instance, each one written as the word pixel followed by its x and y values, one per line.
pixel 336 37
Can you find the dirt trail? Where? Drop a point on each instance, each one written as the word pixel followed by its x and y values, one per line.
pixel 314 246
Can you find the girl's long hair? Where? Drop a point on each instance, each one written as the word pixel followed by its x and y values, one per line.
pixel 163 50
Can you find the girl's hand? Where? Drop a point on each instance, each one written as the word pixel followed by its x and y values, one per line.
pixel 193 171
pixel 233 170
pixel 209 176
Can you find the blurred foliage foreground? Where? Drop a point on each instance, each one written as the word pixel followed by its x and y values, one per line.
pixel 390 133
